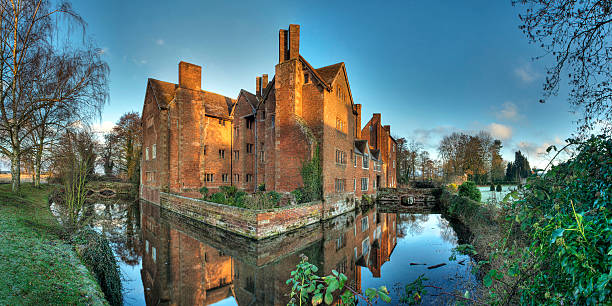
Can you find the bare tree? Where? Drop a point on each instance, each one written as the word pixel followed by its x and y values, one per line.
pixel 35 74
pixel 577 34
pixel 127 133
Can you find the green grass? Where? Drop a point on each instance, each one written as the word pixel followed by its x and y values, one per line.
pixel 36 266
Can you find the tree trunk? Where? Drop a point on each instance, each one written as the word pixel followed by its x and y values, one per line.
pixel 15 170
pixel 37 165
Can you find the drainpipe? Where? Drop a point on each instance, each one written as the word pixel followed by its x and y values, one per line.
pixel 255 148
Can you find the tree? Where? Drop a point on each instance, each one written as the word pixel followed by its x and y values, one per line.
pixel 464 154
pixel 577 35
pixel 519 168
pixel 109 153
pixel 36 74
pixel 497 162
pixel 127 133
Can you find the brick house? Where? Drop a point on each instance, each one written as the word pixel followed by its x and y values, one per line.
pixel 204 139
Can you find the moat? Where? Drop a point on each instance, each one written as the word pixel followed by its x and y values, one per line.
pixel 168 259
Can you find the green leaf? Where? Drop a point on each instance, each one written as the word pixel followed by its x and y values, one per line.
pixel 317 299
pixel 488 280
pixel 329 298
pixel 384 297
pixel 556 234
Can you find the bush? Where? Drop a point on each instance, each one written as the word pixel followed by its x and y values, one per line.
pixel 499 188
pixel 470 190
pixel 218 197
pixel 261 187
pixel 299 196
pixel 96 253
pixel 274 197
pixel 204 191
pixel 452 187
pixel 492 187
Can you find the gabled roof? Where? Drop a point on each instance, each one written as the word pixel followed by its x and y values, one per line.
pixel 375 154
pixel 361 146
pixel 328 73
pixel 249 97
pixel 216 105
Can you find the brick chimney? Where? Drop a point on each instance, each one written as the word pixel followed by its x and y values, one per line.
pixel 258 86
pixel 264 82
pixel 388 129
pixel 190 76
pixel 283 46
pixel 358 121
pixel 294 41
pixel 289 43
pixel 376 117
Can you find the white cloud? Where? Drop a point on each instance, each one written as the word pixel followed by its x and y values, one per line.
pixel 160 42
pixel 508 111
pixel 103 50
pixel 537 155
pixel 526 74
pixel 103 127
pixel 500 131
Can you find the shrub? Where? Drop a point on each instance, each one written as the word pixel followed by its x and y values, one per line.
pixel 298 195
pixel 312 176
pixel 204 191
pixel 452 187
pixel 470 190
pixel 96 253
pixel 218 197
pixel 499 188
pixel 261 187
pixel 230 191
pixel 274 197
pixel 492 187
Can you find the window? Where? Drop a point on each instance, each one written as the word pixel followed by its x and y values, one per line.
pixel 249 122
pixel 236 132
pixel 249 148
pixel 306 78
pixel 393 146
pixel 150 176
pixel 263 114
pixel 205 147
pixel 340 125
pixel 224 177
pixel 339 185
pixel 355 161
pixel 262 157
pixel 221 153
pixel 150 122
pixel 364 183
pixel 374 184
pixel 354 184
pixel 236 155
pixel 341 242
pixel 364 224
pixel 237 177
pixel 393 164
pixel 222 122
pixel 209 177
pixel 340 157
pixel 365 246
pixel 154 151
pixel 249 177
pixel 341 266
pixel 366 161
pixel 147 153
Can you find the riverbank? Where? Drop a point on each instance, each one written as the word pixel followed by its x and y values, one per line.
pixel 36 265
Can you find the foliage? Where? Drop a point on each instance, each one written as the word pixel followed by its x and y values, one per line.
pixel 576 34
pixel 470 190
pixel 492 187
pixel 299 195
pixel 465 154
pixel 204 192
pixel 230 195
pixel 261 187
pixel 312 176
pixel 37 267
pixel 414 291
pixel 519 168
pixel 498 188
pixel 95 251
pixel 367 200
pixel 309 288
pixel 452 187
pixel 128 132
pixel 556 239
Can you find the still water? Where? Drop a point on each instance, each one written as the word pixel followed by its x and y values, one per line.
pixel 167 259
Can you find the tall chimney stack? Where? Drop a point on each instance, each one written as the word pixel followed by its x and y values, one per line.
pixel 358 121
pixel 283 45
pixel 258 86
pixel 294 41
pixel 190 76
pixel 264 82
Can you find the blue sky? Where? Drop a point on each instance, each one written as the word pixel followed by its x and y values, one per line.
pixel 430 67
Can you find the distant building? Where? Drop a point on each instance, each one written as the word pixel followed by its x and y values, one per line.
pixel 194 138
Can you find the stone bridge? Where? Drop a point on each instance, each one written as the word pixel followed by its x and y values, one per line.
pixel 414 195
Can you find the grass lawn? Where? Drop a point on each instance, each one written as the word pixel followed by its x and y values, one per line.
pixel 36 266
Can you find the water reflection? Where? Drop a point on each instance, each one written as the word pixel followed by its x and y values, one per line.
pixel 168 259
pixel 186 263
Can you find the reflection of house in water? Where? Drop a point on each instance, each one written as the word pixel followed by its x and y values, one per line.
pixel 185 263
